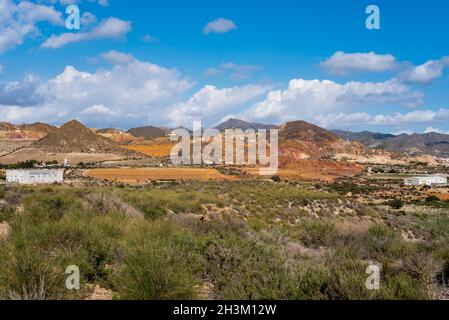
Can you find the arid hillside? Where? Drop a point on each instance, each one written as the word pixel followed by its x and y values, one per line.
pixel 116 135
pixel 74 137
pixel 33 131
pixel 73 142
pixel 301 140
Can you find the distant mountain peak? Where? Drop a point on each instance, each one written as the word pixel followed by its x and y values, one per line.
pixel 305 131
pixel 149 132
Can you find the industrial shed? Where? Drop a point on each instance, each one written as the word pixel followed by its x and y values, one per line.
pixel 425 181
pixel 35 176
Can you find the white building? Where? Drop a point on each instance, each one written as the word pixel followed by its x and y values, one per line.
pixel 35 176
pixel 425 181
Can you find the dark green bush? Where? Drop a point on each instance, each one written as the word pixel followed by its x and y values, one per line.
pixel 244 269
pixel 432 198
pixel 396 203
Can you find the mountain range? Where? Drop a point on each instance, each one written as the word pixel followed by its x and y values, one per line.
pixel 298 140
pixel 434 144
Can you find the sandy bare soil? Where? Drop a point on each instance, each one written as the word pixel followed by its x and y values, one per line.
pixel 316 170
pixel 73 158
pixel 7 146
pixel 147 174
pixel 371 159
pixel 322 170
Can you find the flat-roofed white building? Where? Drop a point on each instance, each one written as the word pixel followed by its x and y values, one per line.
pixel 425 180
pixel 35 176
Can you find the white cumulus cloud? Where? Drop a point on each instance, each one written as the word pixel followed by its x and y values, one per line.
pixel 345 63
pixel 343 120
pixel 425 73
pixel 129 92
pixel 308 99
pixel 220 25
pixel 111 28
pixel 19 21
pixel 211 102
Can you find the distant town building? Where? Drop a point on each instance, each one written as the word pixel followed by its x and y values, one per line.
pixel 35 176
pixel 425 180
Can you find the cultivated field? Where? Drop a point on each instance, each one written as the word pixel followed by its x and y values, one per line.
pixel 321 170
pixel 152 151
pixel 154 174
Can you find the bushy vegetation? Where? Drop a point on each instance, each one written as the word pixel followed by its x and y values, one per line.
pixel 218 240
pixel 396 203
pixel 23 165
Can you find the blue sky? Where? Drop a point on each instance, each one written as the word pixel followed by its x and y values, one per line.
pixel 168 62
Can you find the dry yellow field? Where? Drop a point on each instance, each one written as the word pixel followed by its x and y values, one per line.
pixel 321 170
pixel 151 174
pixel 152 151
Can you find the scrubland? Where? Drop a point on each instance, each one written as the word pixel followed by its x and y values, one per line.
pixel 214 240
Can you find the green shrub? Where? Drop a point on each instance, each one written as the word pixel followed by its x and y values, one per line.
pixel 27 275
pixel 383 242
pixel 402 287
pixel 396 203
pixel 157 265
pixel 2 192
pixel 49 206
pixel 6 212
pixel 316 232
pixel 244 269
pixel 432 198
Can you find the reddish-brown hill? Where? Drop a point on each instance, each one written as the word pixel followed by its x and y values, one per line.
pixel 300 140
pixel 74 137
pixel 304 131
pixel 33 131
